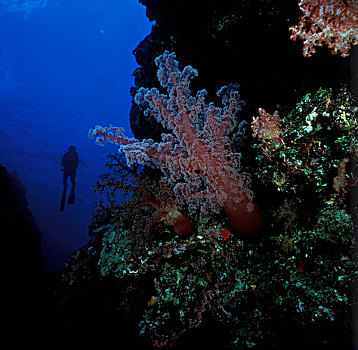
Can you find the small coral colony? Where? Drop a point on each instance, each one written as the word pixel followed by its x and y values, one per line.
pixel 246 246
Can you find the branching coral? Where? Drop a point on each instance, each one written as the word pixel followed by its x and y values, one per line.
pixel 333 22
pixel 266 126
pixel 197 159
pixel 136 190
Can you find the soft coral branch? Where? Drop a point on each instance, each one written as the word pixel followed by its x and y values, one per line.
pixel 197 158
pixel 333 22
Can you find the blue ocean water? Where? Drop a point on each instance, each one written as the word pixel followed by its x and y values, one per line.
pixel 65 66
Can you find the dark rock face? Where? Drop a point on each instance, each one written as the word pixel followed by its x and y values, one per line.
pixel 26 311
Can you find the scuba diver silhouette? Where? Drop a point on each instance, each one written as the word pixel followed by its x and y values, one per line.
pixel 70 162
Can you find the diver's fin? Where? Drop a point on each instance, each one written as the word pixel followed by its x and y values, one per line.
pixel 71 197
pixel 63 199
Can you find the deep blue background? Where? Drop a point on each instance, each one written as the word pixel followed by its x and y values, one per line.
pixel 64 68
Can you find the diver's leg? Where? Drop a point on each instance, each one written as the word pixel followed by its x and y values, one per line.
pixel 73 178
pixel 63 198
pixel 71 197
pixel 64 178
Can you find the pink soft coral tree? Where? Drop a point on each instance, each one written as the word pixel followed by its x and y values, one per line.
pixel 197 158
pixel 333 22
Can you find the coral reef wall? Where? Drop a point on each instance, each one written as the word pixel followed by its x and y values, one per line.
pixel 245 42
pixel 212 289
